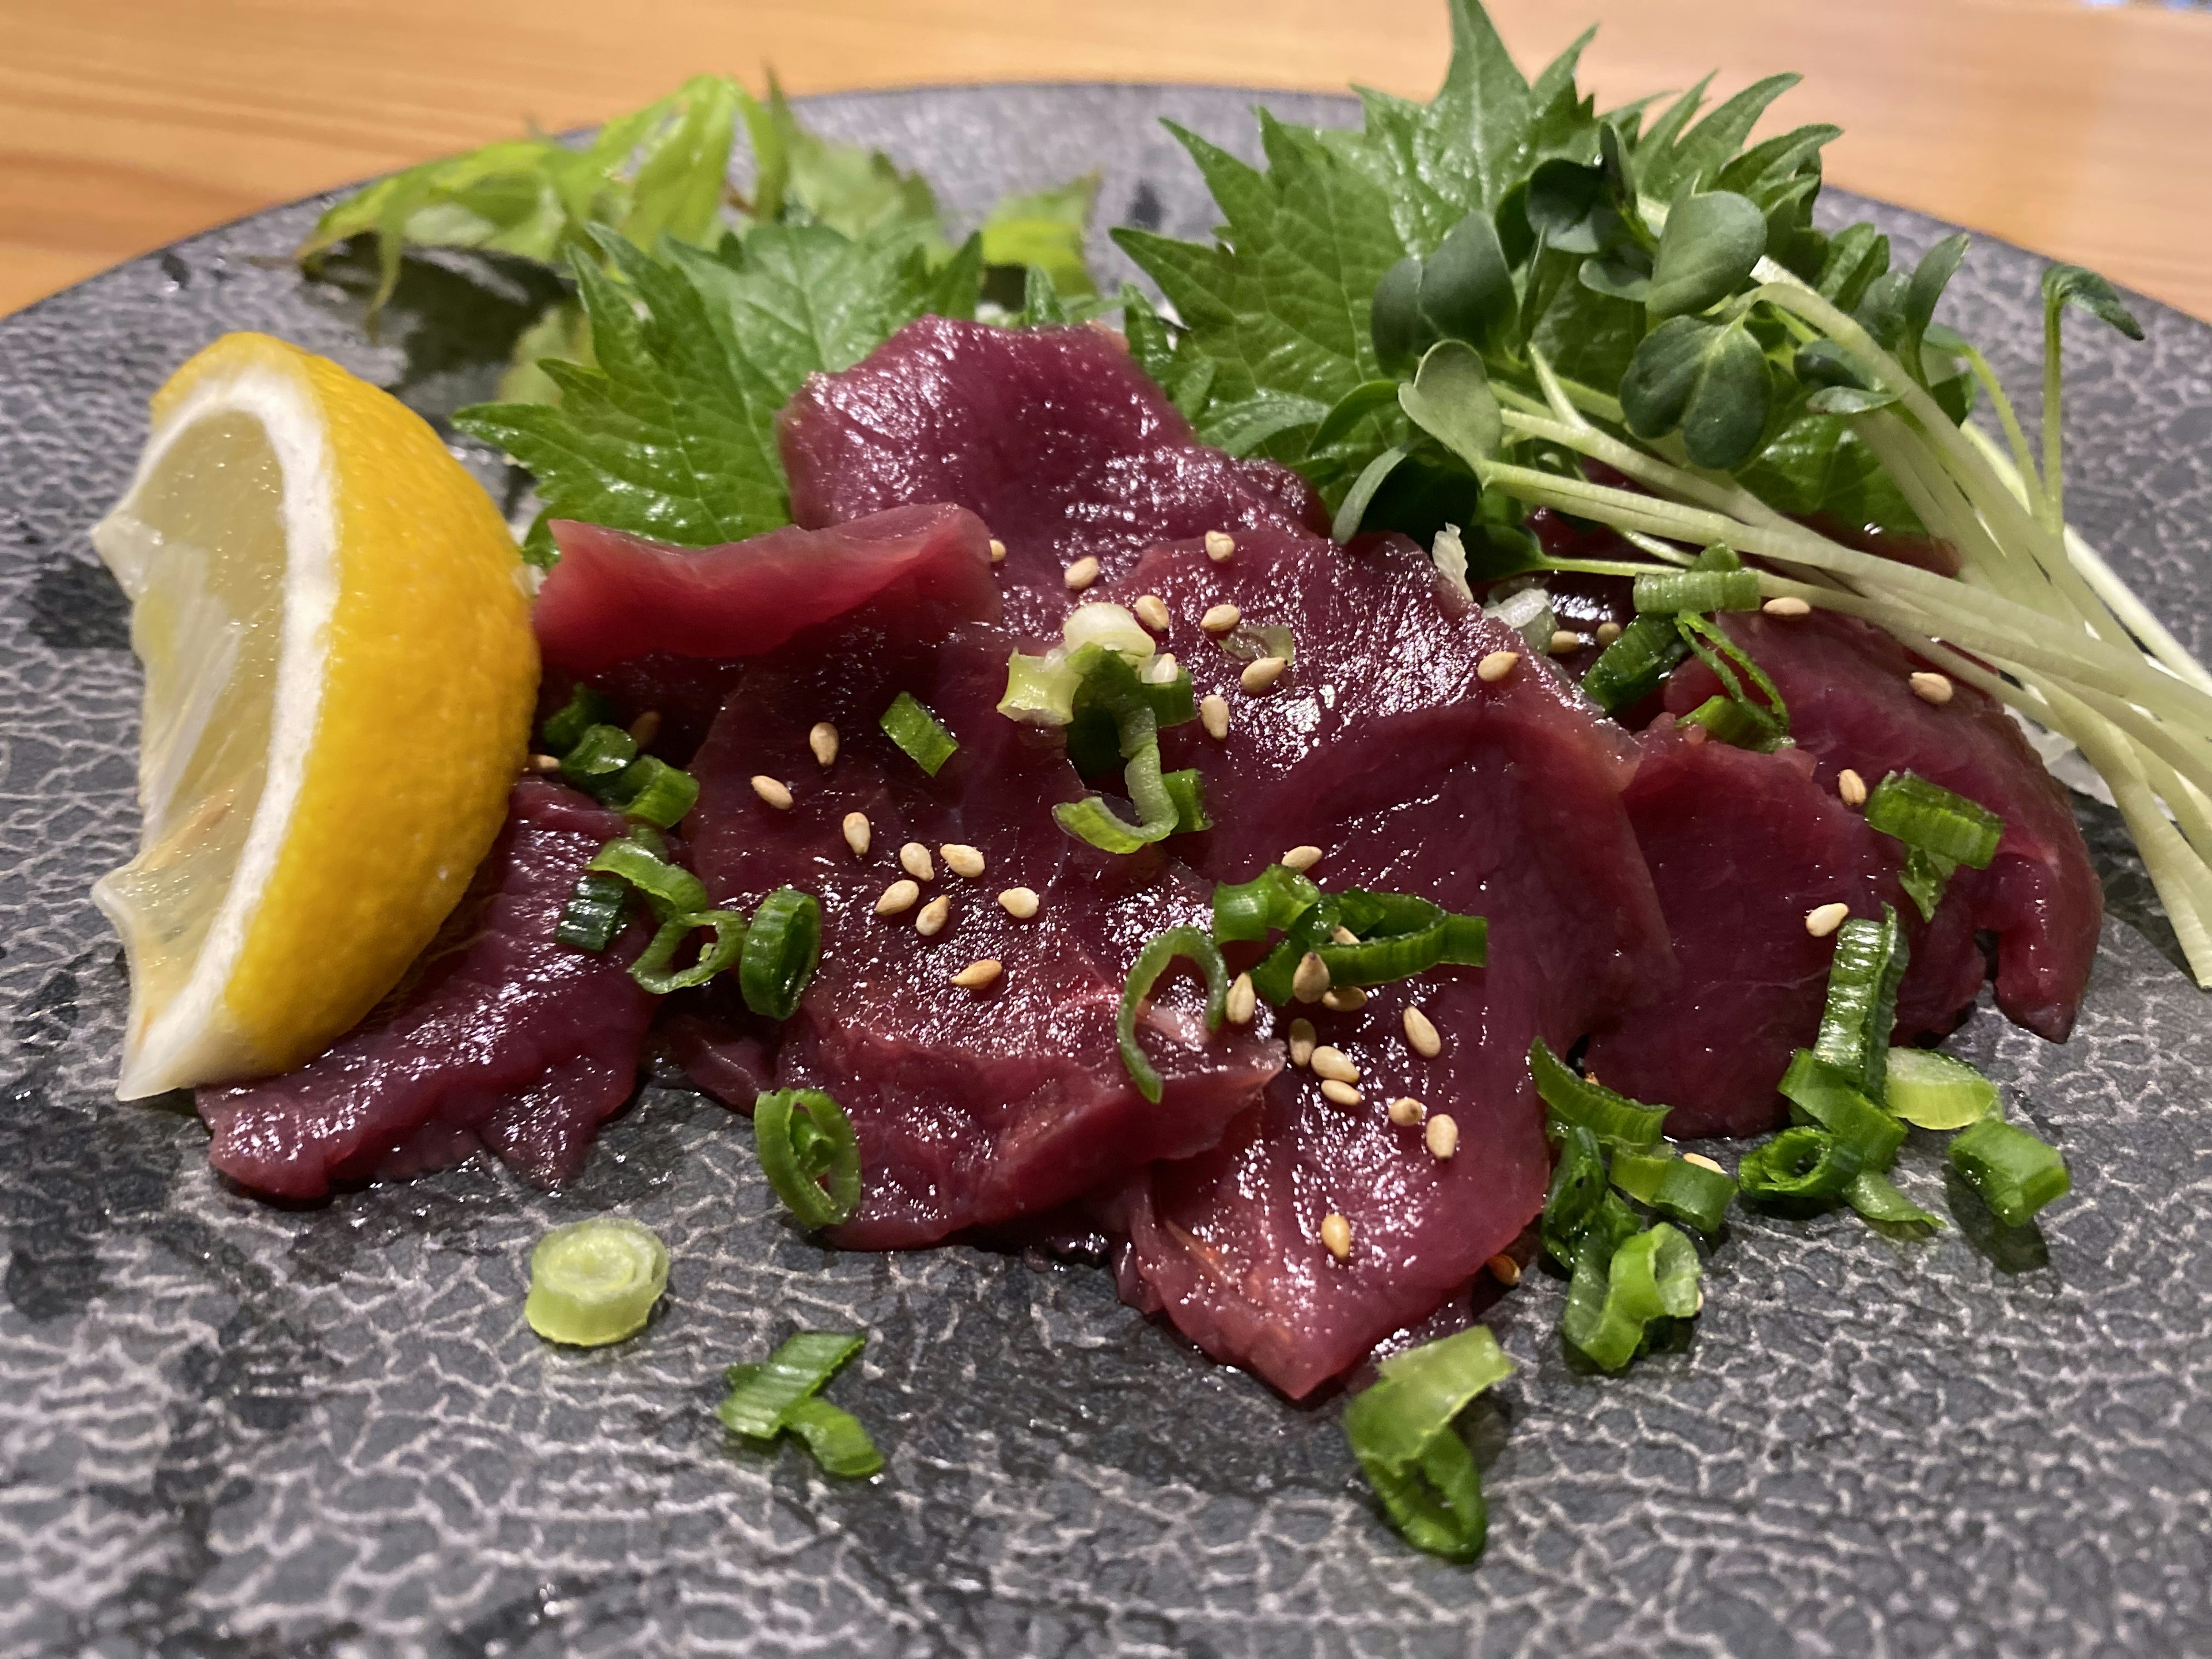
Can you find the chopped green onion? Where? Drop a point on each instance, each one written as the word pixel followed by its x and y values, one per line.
pixel 1248 911
pixel 1633 666
pixel 564 729
pixel 1875 1196
pixel 1801 1165
pixel 915 730
pixel 1933 1090
pixel 1665 593
pixel 1401 1431
pixel 593 914
pixel 1197 945
pixel 1655 1275
pixel 1577 1188
pixel 1593 1321
pixel 1675 1186
pixel 655 968
pixel 1828 1096
pixel 1870 960
pixel 836 1438
pixel 1614 1119
pixel 595 1281
pixel 2015 1173
pixel 808 1153
pixel 1713 646
pixel 1731 721
pixel 1248 644
pixel 1923 878
pixel 597 755
pixel 671 890
pixel 764 1393
pixel 1398 936
pixel 1187 789
pixel 780 951
pixel 1929 816
pixel 651 789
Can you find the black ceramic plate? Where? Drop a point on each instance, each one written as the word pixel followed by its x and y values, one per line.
pixel 226 1428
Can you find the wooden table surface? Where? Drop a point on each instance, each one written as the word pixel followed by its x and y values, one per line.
pixel 124 124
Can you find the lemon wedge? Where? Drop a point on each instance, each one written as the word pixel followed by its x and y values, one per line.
pixel 339 679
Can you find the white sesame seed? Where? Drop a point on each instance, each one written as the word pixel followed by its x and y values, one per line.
pixel 899 895
pixel 1852 786
pixel 915 860
pixel 645 728
pixel 1302 858
pixel 1336 1234
pixel 1824 919
pixel 822 738
pixel 1332 1062
pixel 1161 670
pixel 1153 611
pixel 1219 545
pixel 1442 1136
pixel 1081 575
pixel 1259 675
pixel 998 551
pixel 1019 902
pixel 1220 618
pixel 858 833
pixel 1344 998
pixel 1565 640
pixel 1607 632
pixel 978 976
pixel 544 763
pixel 1421 1034
pixel 1343 935
pixel 931 922
pixel 1504 1269
pixel 1405 1111
pixel 1496 666
pixel 1787 605
pixel 1703 1162
pixel 1213 714
pixel 1341 1094
pixel 1932 688
pixel 772 792
pixel 1243 1002
pixel 1311 978
pixel 1302 1041
pixel 963 859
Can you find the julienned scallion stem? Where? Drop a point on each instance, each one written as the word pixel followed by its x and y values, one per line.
pixel 2035 618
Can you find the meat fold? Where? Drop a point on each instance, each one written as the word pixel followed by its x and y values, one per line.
pixel 972 1106
pixel 1852 704
pixel 1382 746
pixel 1741 846
pixel 499 1038
pixel 616 597
pixel 1052 437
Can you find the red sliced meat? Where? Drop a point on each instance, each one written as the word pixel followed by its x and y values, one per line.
pixel 499 1038
pixel 1740 845
pixel 1851 705
pixel 614 597
pixel 1382 746
pixel 1059 442
pixel 971 1106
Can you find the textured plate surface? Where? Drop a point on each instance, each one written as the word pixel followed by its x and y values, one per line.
pixel 226 1428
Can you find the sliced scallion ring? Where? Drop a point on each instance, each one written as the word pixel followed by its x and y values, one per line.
pixel 1401 1429
pixel 593 914
pixel 1577 1188
pixel 1933 1090
pixel 671 890
pixel 2015 1173
pixel 916 731
pixel 1801 1165
pixel 809 1154
pixel 1869 962
pixel 1827 1095
pixel 1197 945
pixel 1928 817
pixel 1667 592
pixel 1614 1119
pixel 1635 666
pixel 564 729
pixel 655 968
pixel 1876 1197
pixel 594 1282
pixel 781 948
pixel 836 1438
pixel 761 1393
pixel 1676 1187
pixel 1248 911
